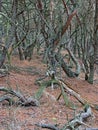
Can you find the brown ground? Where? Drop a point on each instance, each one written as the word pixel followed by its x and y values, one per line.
pixel 50 110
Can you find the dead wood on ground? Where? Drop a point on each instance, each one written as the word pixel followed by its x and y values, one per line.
pixel 72 92
pixel 69 90
pixel 75 123
pixel 10 95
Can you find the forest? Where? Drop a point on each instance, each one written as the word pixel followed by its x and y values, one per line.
pixel 48 64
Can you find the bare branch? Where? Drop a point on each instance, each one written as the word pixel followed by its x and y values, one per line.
pixel 22 99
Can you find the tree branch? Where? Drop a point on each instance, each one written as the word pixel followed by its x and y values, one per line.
pixel 22 99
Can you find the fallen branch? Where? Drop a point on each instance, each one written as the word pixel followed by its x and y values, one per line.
pixel 72 92
pixel 75 123
pixel 7 98
pixel 22 100
pixel 48 126
pixel 79 119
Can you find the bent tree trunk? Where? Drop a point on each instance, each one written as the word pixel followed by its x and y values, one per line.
pixel 64 66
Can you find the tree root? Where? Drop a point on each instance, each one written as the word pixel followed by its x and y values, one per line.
pixel 22 100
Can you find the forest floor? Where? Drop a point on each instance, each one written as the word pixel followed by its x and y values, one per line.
pixel 50 110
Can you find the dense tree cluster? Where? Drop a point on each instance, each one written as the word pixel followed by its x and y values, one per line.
pixel 52 26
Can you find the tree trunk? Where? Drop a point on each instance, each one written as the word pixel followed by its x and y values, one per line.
pixel 64 66
pixel 3 56
pixel 91 74
pixel 93 58
pixel 96 33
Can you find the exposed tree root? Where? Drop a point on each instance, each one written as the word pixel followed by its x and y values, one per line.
pixel 22 100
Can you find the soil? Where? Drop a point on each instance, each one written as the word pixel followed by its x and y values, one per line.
pixel 50 110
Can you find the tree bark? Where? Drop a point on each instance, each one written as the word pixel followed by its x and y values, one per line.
pixel 96 33
pixel 94 57
pixel 3 56
pixel 64 66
